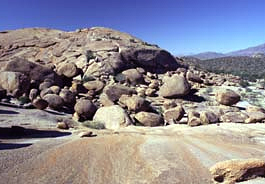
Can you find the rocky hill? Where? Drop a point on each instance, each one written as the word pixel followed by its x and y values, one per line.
pixel 145 116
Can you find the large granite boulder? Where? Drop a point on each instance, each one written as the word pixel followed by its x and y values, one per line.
pixel 175 86
pixel 115 91
pixel 12 81
pixel 149 119
pixel 85 109
pixel 227 97
pixel 113 117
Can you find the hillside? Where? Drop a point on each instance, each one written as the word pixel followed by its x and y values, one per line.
pixel 208 55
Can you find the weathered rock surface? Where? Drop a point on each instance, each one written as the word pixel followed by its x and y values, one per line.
pixel 111 50
pixel 232 171
pixel 227 97
pixel 149 119
pixel 113 117
pixel 208 117
pixel 175 86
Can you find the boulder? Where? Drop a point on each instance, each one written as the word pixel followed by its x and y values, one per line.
pixel 113 117
pixel 237 170
pixel 85 109
pixel 135 103
pixel 154 60
pixel 95 85
pixel 175 86
pixel 45 85
pixel 55 89
pixel 234 117
pixel 227 97
pixel 194 119
pixel 55 101
pixel 68 97
pixel 254 117
pixel 174 114
pixel 105 100
pixel 194 78
pixel 150 92
pixel 12 81
pixel 149 119
pixel 208 117
pixel 40 103
pixel 45 92
pixel 115 91
pixel 33 94
pixel 69 70
pixel 133 76
pixel 33 70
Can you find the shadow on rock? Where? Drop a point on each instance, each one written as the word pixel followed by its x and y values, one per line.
pixel 193 97
pixel 17 132
pixel 8 112
pixel 7 146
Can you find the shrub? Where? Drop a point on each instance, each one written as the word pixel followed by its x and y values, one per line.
pixel 94 125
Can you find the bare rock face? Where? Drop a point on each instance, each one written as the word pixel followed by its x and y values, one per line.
pixel 232 171
pixel 115 91
pixel 95 50
pixel 149 119
pixel 254 117
pixel 227 97
pixel 175 86
pixel 135 103
pixel 85 109
pixel 113 117
pixel 12 81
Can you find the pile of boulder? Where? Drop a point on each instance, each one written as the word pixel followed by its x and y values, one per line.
pixel 123 81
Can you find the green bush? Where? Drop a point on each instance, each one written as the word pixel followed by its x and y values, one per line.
pixel 94 125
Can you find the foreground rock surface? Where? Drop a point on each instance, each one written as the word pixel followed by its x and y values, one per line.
pixel 238 170
pixel 174 154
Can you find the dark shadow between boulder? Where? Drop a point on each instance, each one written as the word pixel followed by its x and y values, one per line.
pixel 17 132
pixel 8 112
pixel 8 146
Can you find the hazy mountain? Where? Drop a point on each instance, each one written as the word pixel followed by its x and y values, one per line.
pixel 208 55
pixel 251 51
pixel 248 51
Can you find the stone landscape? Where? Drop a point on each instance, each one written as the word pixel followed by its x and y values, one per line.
pixel 100 106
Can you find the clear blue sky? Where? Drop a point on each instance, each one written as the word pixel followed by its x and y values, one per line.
pixel 180 26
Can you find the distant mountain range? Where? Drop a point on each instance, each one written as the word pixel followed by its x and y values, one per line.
pixel 251 51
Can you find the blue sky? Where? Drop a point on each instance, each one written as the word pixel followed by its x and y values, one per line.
pixel 180 26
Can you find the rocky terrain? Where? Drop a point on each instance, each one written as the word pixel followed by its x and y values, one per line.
pixel 101 106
